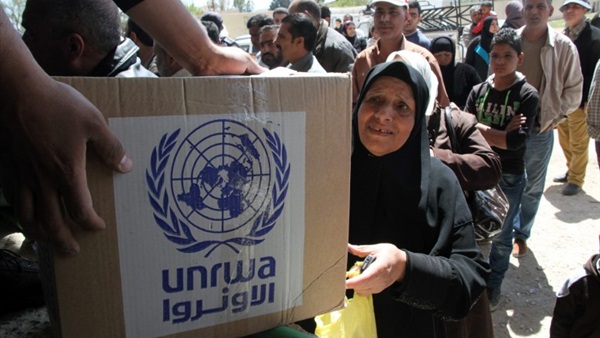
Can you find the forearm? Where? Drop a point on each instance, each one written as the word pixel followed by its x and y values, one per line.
pixel 186 40
pixel 19 72
pixel 496 138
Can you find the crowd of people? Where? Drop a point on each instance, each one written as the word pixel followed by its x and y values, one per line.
pixel 409 183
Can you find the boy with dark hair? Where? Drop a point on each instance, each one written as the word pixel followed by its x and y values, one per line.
pixel 505 106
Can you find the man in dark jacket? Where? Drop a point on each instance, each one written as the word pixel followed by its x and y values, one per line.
pixel 572 133
pixel 80 38
pixel 332 49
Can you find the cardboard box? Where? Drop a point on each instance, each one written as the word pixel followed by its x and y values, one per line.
pixel 234 219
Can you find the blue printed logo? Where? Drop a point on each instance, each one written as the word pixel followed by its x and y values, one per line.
pixel 225 186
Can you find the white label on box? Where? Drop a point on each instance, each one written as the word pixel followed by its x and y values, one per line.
pixel 211 219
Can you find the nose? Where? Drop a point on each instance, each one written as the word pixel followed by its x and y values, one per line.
pixel 385 112
pixel 384 16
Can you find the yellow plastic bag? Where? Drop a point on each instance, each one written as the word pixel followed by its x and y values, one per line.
pixel 355 320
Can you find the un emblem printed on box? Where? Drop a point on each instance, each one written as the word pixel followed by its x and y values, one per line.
pixel 222 195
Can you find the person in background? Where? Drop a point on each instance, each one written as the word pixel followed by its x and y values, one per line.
pixel 593 111
pixel 93 45
pixel 334 52
pixel 145 44
pixel 278 14
pixel 388 18
pixel 479 49
pixel 358 42
pixel 572 132
pixel 577 304
pixel 486 10
pixel 271 54
pixel 296 40
pixel 373 36
pixel 326 14
pixel 514 15
pixel 254 24
pixel 216 18
pixel 411 25
pixel 212 30
pixel 556 74
pixel 408 211
pixel 167 65
pixel 467 32
pixel 338 26
pixel 505 106
pixel 459 78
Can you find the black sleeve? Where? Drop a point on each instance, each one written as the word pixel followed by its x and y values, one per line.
pixel 529 103
pixel 126 5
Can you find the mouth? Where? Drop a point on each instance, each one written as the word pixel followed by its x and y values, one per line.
pixel 380 131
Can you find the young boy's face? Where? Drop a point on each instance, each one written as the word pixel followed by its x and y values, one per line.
pixel 485 10
pixel 504 60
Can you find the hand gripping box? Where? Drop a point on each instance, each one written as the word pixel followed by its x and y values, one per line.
pixel 234 219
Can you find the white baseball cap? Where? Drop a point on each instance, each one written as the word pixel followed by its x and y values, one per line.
pixel 399 3
pixel 583 3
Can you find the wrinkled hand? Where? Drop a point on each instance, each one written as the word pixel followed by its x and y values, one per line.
pixel 389 266
pixel 515 123
pixel 43 142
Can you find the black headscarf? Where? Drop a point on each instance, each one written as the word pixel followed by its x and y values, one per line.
pixel 387 190
pixel 486 36
pixel 445 44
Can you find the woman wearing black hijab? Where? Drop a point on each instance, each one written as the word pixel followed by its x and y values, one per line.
pixel 408 211
pixel 479 48
pixel 459 78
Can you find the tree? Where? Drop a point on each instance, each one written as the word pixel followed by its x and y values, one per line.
pixel 348 3
pixel 243 5
pixel 14 10
pixel 196 11
pixel 279 3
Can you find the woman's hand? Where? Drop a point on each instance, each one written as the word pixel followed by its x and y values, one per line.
pixel 389 267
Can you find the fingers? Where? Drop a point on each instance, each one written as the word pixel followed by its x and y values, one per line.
pixel 78 201
pixel 109 149
pixel 49 213
pixel 359 250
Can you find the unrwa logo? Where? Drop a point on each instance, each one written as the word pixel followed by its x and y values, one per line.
pixel 225 186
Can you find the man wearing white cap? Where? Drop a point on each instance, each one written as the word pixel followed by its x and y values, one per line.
pixel 388 19
pixel 572 132
pixel 551 65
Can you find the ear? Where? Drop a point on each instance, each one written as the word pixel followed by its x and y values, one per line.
pixel 551 10
pixel 521 57
pixel 75 46
pixel 133 37
pixel 299 42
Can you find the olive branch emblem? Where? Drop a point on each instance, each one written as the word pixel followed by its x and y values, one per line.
pixel 178 231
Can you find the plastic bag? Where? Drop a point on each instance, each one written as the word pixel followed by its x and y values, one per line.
pixel 355 320
pixel 489 208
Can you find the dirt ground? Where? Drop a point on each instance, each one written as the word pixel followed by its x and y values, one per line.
pixel 565 235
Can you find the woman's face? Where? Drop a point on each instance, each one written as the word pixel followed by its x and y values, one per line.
pixel 443 58
pixel 386 116
pixel 351 30
pixel 494 27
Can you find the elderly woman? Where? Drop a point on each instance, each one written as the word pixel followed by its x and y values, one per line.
pixel 408 211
